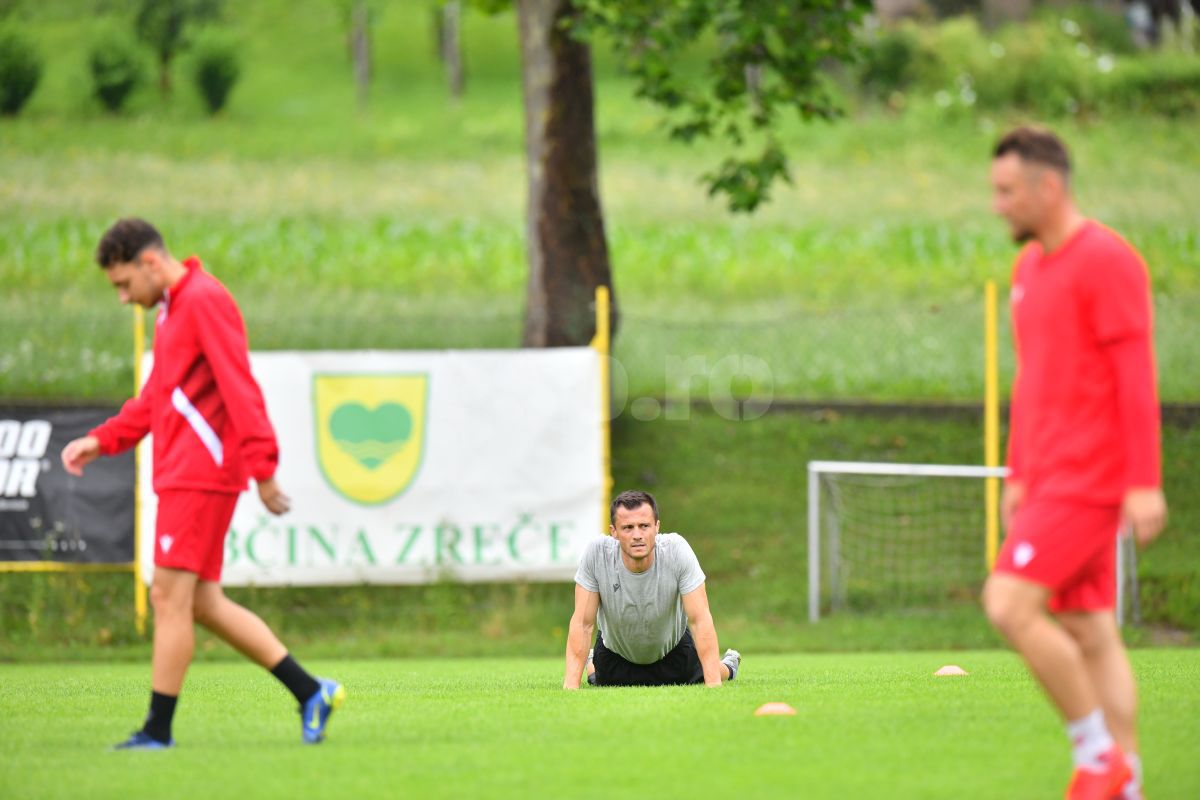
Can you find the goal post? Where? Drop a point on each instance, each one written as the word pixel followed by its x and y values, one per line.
pixel 886 480
pixel 904 536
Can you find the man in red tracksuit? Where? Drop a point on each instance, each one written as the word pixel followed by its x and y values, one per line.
pixel 211 433
pixel 1084 457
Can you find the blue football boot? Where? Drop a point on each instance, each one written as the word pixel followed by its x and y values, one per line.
pixel 314 714
pixel 140 740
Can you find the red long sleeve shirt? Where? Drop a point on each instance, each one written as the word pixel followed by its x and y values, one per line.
pixel 1085 418
pixel 206 411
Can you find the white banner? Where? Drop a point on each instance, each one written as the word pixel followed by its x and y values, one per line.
pixel 413 467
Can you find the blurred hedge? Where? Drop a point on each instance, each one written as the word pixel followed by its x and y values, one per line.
pixel 117 66
pixel 1058 64
pixel 20 69
pixel 216 67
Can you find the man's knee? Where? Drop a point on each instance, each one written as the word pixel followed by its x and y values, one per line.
pixel 172 593
pixel 1010 603
pixel 167 603
pixel 1095 633
pixel 209 603
pixel 204 610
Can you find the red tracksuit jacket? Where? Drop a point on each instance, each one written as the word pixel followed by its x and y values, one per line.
pixel 206 411
pixel 1085 415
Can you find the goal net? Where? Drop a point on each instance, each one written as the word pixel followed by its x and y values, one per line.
pixel 906 536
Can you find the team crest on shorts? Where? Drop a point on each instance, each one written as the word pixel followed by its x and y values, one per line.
pixel 370 433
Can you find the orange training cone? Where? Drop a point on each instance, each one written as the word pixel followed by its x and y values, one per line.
pixel 950 669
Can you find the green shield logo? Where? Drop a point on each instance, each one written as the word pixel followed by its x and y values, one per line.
pixel 370 433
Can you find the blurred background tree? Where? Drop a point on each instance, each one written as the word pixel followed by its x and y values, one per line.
pixel 164 25
pixel 769 59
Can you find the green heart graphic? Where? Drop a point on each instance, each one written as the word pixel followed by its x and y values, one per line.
pixel 371 437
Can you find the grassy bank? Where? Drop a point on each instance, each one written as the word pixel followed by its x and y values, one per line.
pixel 325 220
pixel 735 489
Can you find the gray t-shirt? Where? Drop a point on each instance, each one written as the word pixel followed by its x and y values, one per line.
pixel 641 614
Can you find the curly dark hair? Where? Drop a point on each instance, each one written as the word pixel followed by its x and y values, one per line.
pixel 125 241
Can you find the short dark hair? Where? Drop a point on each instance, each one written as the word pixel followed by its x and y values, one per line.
pixel 1037 146
pixel 629 500
pixel 125 241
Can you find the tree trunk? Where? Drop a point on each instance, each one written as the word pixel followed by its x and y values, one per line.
pixel 451 48
pixel 164 75
pixel 437 20
pixel 754 73
pixel 360 49
pixel 568 254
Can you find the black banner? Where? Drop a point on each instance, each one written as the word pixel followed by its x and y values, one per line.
pixel 48 515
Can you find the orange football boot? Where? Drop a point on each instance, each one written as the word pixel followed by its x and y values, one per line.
pixel 1103 784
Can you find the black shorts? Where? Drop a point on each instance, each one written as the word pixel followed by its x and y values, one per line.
pixel 681 665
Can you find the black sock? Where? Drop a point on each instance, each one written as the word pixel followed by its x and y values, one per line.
pixel 158 721
pixel 299 683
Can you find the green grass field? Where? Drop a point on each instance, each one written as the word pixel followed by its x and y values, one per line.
pixel 325 220
pixel 402 226
pixel 875 725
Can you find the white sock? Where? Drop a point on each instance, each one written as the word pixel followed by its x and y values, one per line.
pixel 1132 790
pixel 1090 739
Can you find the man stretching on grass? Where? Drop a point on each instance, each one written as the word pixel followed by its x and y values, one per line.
pixel 646 590
pixel 211 433
pixel 1083 457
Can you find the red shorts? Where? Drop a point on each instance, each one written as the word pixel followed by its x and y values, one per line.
pixel 189 533
pixel 1068 547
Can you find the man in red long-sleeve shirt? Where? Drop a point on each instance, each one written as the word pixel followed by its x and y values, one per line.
pixel 211 434
pixel 1084 457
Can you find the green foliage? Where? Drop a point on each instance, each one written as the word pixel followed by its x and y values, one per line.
pixel 20 69
pixel 889 62
pixel 216 67
pixel 491 7
pixel 1165 84
pixel 948 50
pixel 117 66
pixel 767 57
pixel 1098 26
pixel 1042 69
pixel 1073 62
pixel 746 182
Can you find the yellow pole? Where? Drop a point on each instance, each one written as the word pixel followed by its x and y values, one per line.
pixel 991 420
pixel 602 342
pixel 58 566
pixel 139 586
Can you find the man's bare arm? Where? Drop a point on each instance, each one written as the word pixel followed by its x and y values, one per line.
pixel 695 605
pixel 579 635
